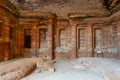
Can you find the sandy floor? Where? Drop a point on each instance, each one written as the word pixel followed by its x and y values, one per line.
pixel 81 69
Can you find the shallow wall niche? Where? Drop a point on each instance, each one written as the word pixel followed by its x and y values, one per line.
pixel 0 30
pixel 97 41
pixel 115 49
pixel 12 42
pixel 43 47
pixel 62 36
pixel 105 39
pixel 45 39
pixel 81 40
pixel 42 37
pixel 1 44
pixel 63 43
pixel 97 38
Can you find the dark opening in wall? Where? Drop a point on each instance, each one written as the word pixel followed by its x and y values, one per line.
pixel 11 33
pixel 20 1
pixel 27 38
pixel 110 4
pixel 106 3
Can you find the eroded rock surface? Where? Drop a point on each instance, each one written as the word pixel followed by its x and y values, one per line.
pixel 20 68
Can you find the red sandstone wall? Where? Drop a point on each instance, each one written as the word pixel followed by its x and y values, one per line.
pixel 66 43
pixel 63 37
pixel 109 38
pixel 35 50
pixel 6 20
pixel 68 38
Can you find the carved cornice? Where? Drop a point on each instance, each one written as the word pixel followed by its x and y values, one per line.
pixel 38 16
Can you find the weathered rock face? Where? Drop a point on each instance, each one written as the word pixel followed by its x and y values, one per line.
pixel 20 68
pixel 110 4
pixel 59 7
pixel 6 20
pixel 37 32
pixel 9 7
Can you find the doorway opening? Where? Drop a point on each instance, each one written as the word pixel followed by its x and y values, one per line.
pixel 27 38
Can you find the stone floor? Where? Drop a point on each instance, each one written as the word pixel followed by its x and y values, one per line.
pixel 81 69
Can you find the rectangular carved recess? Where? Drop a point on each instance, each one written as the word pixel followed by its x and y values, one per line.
pixel 97 38
pixel 1 44
pixel 114 39
pixel 42 37
pixel 0 30
pixel 11 33
pixel 81 38
pixel 106 31
pixel 62 37
pixel 27 38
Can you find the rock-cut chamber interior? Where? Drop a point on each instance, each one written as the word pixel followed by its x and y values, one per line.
pixel 47 30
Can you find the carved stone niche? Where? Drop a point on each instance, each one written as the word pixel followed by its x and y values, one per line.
pixel 1 31
pixel 44 39
pixel 81 39
pixel 62 27
pixel 62 38
pixel 42 31
pixel 97 38
pixel 114 38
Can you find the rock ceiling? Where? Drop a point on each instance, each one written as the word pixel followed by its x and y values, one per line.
pixel 59 7
pixel 62 8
